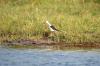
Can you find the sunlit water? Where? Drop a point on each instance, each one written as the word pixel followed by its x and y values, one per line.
pixel 37 57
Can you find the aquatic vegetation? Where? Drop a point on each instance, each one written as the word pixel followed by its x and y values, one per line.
pixel 78 20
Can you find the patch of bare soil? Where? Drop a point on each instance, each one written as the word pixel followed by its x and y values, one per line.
pixel 49 44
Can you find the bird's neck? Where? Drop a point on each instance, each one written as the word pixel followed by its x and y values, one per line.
pixel 48 23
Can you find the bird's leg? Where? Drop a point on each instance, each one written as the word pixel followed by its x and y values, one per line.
pixel 52 36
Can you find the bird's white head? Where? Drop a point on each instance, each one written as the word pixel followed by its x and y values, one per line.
pixel 48 23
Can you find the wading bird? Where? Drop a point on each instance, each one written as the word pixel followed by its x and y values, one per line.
pixel 53 31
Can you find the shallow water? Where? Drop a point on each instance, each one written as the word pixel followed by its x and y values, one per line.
pixel 45 57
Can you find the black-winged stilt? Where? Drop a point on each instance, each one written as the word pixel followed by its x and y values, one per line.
pixel 53 30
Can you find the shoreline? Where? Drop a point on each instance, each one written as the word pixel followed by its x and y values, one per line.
pixel 42 44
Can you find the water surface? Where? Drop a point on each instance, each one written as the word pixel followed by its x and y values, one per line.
pixel 45 57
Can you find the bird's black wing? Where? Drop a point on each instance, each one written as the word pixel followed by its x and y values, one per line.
pixel 54 28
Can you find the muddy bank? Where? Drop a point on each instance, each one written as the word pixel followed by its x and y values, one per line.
pixel 27 43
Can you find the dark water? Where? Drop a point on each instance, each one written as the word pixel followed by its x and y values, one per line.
pixel 37 57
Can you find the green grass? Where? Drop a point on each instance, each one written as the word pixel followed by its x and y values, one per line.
pixel 78 20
